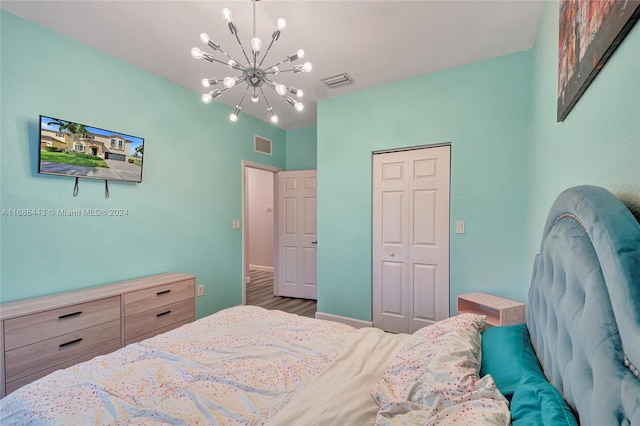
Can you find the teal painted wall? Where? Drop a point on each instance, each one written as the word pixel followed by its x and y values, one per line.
pixel 482 109
pixel 179 218
pixel 599 141
pixel 302 148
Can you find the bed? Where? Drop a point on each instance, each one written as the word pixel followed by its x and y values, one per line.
pixel 573 362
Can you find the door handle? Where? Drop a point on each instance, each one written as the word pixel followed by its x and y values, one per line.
pixel 314 242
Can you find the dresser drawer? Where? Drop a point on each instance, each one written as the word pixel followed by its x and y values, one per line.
pixel 60 350
pixel 144 323
pixel 21 381
pixel 150 298
pixel 158 331
pixel 29 329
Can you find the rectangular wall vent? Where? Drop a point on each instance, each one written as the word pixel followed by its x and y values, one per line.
pixel 338 80
pixel 262 145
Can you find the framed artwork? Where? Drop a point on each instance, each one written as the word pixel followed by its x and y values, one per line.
pixel 590 31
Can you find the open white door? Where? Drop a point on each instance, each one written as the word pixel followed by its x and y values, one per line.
pixel 297 239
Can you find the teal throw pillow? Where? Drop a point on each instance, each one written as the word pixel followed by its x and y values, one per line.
pixel 507 355
pixel 536 402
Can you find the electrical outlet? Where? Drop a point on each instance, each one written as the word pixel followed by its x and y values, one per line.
pixel 235 224
pixel 200 290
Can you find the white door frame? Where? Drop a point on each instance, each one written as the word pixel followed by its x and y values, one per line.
pixel 245 218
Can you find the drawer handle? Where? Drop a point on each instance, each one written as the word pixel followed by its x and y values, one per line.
pixel 163 292
pixel 62 345
pixel 163 314
pixel 73 314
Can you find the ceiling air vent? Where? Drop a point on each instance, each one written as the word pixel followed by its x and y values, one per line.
pixel 262 145
pixel 338 80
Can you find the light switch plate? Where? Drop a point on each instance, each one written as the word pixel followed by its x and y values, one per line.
pixel 460 227
pixel 235 224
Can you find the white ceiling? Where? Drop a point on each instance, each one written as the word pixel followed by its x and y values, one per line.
pixel 376 42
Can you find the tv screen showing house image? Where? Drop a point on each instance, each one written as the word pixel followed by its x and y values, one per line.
pixel 68 148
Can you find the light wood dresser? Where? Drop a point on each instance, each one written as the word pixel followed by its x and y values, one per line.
pixel 44 334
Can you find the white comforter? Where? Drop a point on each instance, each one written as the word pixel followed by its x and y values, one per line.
pixel 239 366
pixel 246 365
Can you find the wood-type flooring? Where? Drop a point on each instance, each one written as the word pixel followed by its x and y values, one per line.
pixel 260 293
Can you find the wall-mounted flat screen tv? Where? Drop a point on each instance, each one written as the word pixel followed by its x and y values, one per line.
pixel 72 149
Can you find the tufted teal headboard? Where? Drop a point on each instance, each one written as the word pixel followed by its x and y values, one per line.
pixel 584 305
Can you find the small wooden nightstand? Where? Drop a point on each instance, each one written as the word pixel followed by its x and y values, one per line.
pixel 498 310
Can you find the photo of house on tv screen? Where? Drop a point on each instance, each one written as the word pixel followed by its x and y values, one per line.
pixel 78 150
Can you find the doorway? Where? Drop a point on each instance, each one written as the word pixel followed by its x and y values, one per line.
pixel 258 211
pixel 411 238
pixel 258 276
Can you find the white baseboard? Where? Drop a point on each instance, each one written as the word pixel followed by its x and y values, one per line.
pixel 345 320
pixel 261 268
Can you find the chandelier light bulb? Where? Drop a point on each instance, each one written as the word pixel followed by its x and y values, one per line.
pixel 234 115
pixel 205 39
pixel 208 97
pixel 307 67
pixel 281 24
pixel 299 106
pixel 299 93
pixel 232 63
pixel 197 53
pixel 273 117
pixel 256 44
pixel 226 13
pixel 255 98
pixel 229 82
pixel 281 89
pixel 298 55
pixel 208 82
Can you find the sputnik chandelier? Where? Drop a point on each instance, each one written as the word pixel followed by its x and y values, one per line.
pixel 254 74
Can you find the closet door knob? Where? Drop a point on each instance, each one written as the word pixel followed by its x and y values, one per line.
pixel 392 254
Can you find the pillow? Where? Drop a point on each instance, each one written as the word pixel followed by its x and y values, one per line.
pixel 507 355
pixel 454 341
pixel 434 379
pixel 537 402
